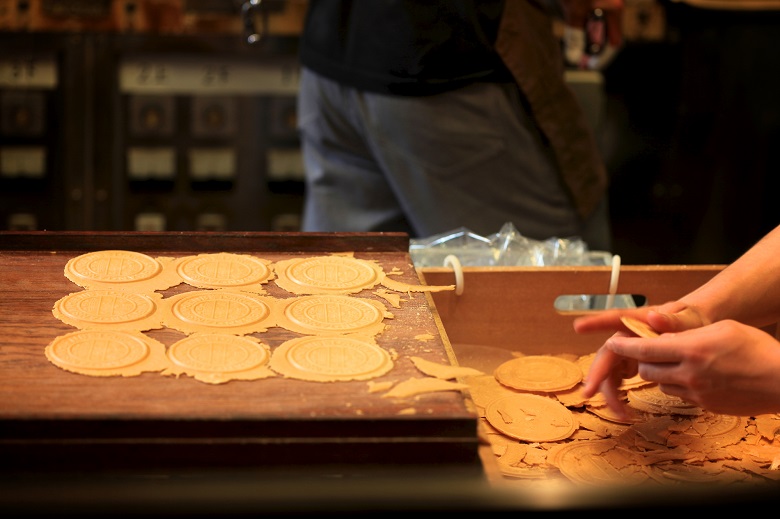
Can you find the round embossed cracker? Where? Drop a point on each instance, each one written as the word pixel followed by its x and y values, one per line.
pixel 597 462
pixel 121 270
pixel 218 358
pixel 532 418
pixel 708 430
pixel 652 400
pixel 109 309
pixel 640 328
pixel 333 314
pixel 225 270
pixel 331 359
pixel 700 473
pixel 543 373
pixel 105 353
pixel 710 424
pixel 223 311
pixel 327 275
pixel 607 413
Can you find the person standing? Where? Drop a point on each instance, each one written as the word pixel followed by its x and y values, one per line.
pixel 426 116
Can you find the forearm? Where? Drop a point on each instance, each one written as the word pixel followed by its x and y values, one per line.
pixel 748 290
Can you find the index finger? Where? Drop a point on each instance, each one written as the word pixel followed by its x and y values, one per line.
pixel 643 349
pixel 605 366
pixel 606 320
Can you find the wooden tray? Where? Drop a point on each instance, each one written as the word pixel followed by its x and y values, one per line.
pixel 52 418
pixel 513 308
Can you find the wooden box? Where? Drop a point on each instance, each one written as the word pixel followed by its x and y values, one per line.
pixel 514 308
pixel 505 311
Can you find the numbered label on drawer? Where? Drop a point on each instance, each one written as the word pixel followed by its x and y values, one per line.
pixel 28 73
pixel 186 74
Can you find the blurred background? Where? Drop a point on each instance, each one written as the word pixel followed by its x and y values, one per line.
pixel 179 115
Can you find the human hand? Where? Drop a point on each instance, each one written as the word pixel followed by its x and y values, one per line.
pixel 726 367
pixel 609 368
pixel 673 316
pixel 606 374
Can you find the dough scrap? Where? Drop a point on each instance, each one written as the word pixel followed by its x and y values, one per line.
pixel 443 371
pixel 418 386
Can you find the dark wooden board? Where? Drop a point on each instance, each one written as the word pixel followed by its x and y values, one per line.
pixel 48 414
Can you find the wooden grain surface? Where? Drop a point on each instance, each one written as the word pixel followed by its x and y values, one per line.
pixel 513 308
pixel 41 403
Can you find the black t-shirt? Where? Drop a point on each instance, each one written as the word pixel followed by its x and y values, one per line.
pixel 403 47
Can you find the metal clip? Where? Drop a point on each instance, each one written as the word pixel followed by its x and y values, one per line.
pixel 595 32
pixel 247 15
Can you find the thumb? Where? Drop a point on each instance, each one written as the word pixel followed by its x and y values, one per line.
pixel 676 320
